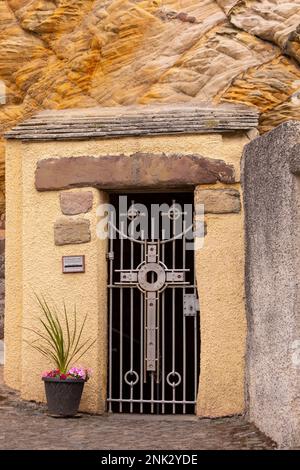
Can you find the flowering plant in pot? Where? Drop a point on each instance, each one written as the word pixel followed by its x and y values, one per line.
pixel 60 340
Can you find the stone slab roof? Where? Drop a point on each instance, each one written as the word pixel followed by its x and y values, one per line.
pixel 113 122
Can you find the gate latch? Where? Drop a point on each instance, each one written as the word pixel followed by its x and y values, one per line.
pixel 190 305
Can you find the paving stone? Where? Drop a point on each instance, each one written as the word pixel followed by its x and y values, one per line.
pixel 25 425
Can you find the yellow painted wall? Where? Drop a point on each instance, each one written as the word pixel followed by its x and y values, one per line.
pixel 33 264
pixel 13 267
pixel 220 280
pixel 30 220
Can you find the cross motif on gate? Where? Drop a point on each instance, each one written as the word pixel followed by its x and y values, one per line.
pixel 152 277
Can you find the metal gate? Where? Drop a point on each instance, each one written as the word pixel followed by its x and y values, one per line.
pixel 153 361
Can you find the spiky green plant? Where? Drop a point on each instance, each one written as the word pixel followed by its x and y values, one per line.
pixel 58 339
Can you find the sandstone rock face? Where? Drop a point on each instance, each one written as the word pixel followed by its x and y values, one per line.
pixel 80 53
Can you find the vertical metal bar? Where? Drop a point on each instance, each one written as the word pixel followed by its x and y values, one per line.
pixel 184 320
pixel 121 319
pixel 152 223
pixel 173 308
pixel 157 352
pixel 131 320
pixel 142 343
pixel 195 342
pixel 152 391
pixel 145 325
pixel 110 311
pixel 151 306
pixel 195 355
pixel 142 352
pixel 163 371
pixel 157 336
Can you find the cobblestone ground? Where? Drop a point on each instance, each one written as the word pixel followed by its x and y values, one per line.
pixel 25 425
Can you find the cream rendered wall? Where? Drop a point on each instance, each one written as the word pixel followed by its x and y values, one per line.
pixel 33 264
pixel 220 281
pixel 13 266
pixel 221 293
pixel 42 273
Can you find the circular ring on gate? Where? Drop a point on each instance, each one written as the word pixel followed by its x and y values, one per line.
pixel 157 270
pixel 174 374
pixel 174 213
pixel 131 382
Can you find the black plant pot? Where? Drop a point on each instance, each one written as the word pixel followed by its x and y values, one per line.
pixel 63 396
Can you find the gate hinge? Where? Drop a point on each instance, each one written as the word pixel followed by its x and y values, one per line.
pixel 110 255
pixel 190 305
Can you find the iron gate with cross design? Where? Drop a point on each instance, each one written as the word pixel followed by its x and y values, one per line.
pixel 153 360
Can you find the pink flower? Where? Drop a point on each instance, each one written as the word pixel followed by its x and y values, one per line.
pixel 80 373
pixel 76 372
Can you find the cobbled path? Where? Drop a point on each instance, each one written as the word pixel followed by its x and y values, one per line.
pixel 25 425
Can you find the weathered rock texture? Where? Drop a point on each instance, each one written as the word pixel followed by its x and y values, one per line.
pixel 72 231
pixel 72 203
pixel 81 53
pixel 271 196
pixel 219 201
pixel 140 170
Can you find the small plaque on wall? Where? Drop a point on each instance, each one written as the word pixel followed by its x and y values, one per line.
pixel 73 264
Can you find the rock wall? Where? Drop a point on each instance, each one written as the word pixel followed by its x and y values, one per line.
pixel 81 53
pixel 272 217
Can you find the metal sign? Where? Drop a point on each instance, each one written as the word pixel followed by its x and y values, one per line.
pixel 73 264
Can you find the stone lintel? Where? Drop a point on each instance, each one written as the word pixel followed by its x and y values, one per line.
pixel 140 170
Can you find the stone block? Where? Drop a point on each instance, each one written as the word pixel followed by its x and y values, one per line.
pixel 72 231
pixel 73 203
pixel 219 201
pixel 140 170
